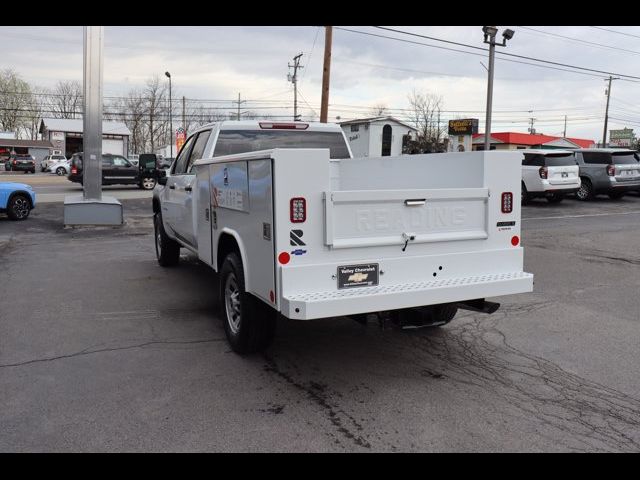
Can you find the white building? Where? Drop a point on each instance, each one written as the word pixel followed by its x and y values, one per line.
pixel 66 135
pixel 378 136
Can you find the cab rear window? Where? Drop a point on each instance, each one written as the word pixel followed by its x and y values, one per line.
pixel 242 141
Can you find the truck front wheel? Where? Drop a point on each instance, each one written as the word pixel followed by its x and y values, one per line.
pixel 248 322
pixel 167 250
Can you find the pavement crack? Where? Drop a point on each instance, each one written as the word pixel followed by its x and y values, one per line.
pixel 316 392
pixel 114 349
pixel 587 414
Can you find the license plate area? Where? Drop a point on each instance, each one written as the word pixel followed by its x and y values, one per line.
pixel 362 275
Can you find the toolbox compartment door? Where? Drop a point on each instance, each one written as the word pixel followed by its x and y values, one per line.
pixel 364 218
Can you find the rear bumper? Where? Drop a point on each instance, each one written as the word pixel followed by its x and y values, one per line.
pixel 309 306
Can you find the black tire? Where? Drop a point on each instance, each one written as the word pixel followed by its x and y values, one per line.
pixel 19 207
pixel 26 171
pixel 249 323
pixel 167 249
pixel 147 183
pixel 585 192
pixel 555 198
pixel 616 195
pixel 524 195
pixel 60 171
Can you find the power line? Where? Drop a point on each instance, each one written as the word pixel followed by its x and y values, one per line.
pixel 580 40
pixel 501 53
pixel 616 31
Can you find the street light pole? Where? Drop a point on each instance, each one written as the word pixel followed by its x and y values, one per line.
pixel 490 33
pixel 170 116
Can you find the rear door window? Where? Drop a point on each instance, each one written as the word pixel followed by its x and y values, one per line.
pixel 179 166
pixel 198 148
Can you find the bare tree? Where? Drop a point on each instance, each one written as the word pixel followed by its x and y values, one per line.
pixel 15 101
pixel 132 110
pixel 66 99
pixel 425 114
pixel 378 110
pixel 157 113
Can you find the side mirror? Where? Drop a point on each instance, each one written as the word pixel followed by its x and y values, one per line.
pixel 162 177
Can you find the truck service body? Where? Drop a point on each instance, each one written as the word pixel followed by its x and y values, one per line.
pixel 313 236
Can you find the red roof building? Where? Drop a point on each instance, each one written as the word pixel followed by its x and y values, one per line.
pixel 519 141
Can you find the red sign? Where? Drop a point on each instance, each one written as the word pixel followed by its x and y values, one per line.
pixel 181 137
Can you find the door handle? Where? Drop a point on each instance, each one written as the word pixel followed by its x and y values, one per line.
pixel 412 202
pixel 187 189
pixel 172 187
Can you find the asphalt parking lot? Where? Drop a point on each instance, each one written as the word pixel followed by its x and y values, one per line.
pixel 103 350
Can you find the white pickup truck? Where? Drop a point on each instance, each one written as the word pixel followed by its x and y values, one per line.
pixel 295 226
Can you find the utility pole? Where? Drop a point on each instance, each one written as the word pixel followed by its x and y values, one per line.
pixel 490 33
pixel 324 105
pixel 606 114
pixel 172 135
pixel 531 129
pixel 239 102
pixel 184 117
pixel 564 133
pixel 294 79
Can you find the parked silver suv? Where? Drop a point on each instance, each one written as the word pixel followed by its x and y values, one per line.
pixel 611 171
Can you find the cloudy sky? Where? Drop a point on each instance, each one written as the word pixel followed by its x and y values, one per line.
pixel 217 63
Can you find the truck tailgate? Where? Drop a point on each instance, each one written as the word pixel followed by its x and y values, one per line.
pixel 363 218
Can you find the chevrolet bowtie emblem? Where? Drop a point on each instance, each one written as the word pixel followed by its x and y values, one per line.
pixel 358 277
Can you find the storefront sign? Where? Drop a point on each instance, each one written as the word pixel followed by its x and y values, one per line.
pixel 181 136
pixel 466 126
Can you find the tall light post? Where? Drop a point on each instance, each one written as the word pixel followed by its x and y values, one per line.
pixel 490 39
pixel 170 115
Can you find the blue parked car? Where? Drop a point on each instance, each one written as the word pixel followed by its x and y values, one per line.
pixel 16 200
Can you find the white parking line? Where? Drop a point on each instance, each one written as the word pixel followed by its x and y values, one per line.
pixel 635 212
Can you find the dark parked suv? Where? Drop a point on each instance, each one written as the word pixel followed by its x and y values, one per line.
pixel 116 170
pixel 607 170
pixel 21 163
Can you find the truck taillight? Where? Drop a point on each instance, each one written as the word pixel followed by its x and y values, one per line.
pixel 284 125
pixel 74 170
pixel 507 202
pixel 297 210
pixel 15 162
pixel 611 170
pixel 544 172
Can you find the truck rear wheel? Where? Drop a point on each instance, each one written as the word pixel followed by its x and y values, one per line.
pixel 167 250
pixel 248 323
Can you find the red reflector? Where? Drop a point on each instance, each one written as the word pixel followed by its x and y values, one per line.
pixel 515 240
pixel 284 258
pixel 507 202
pixel 272 296
pixel 284 126
pixel 297 210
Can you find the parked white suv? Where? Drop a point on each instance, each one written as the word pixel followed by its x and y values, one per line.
pixel 549 173
pixel 45 166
